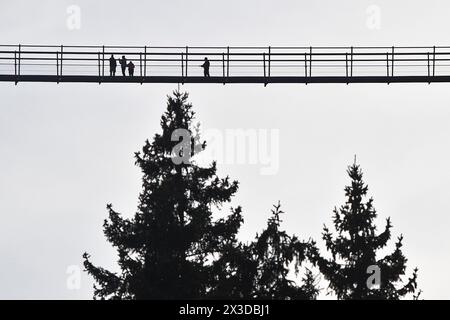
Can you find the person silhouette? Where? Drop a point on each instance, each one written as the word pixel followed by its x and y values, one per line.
pixel 112 66
pixel 131 68
pixel 205 67
pixel 123 65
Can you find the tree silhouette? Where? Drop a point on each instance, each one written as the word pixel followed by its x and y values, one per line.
pixel 354 250
pixel 277 254
pixel 266 267
pixel 171 247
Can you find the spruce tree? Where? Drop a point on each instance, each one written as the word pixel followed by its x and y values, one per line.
pixel 268 267
pixel 172 245
pixel 278 257
pixel 355 250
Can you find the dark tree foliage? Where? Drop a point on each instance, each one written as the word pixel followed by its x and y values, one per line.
pixel 266 267
pixel 276 255
pixel 355 247
pixel 172 247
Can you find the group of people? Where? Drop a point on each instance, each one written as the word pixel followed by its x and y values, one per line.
pixel 130 65
pixel 123 65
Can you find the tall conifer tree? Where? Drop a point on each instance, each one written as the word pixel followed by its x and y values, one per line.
pixel 278 258
pixel 353 268
pixel 268 267
pixel 172 245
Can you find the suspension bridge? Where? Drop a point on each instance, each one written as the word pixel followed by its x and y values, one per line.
pixel 263 65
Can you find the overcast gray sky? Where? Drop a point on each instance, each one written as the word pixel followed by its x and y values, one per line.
pixel 67 150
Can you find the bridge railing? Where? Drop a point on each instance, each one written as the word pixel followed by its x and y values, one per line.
pixel 226 61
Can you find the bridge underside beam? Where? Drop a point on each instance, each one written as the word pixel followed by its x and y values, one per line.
pixel 222 80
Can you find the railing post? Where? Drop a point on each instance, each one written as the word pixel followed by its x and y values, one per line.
pixel 57 67
pixel 387 66
pixel 15 63
pixel 264 65
pixel 428 64
pixel 306 67
pixel 140 65
pixel 434 60
pixel 223 66
pixel 61 62
pixel 392 63
pixel 15 66
pixel 103 61
pixel 20 59
pixel 99 69
pixel 270 58
pixel 182 68
pixel 17 58
pixel 145 61
pixel 310 61
pixel 228 61
pixel 351 61
pixel 346 66
pixel 187 60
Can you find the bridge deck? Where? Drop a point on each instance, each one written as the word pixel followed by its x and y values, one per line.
pixel 223 80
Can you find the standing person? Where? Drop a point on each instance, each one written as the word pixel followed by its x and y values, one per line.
pixel 112 66
pixel 123 65
pixel 131 68
pixel 205 67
